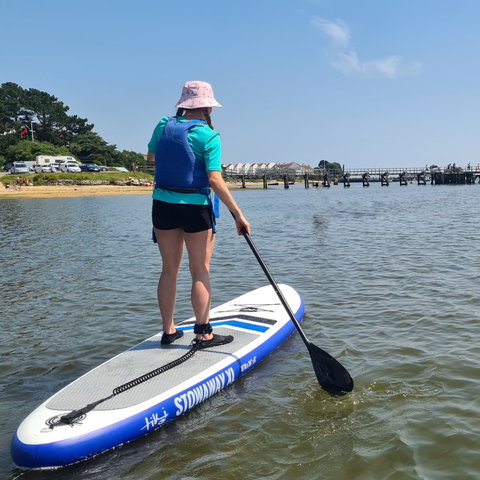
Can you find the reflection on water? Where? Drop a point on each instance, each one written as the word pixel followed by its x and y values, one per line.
pixel 390 281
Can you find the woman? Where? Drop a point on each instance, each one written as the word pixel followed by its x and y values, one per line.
pixel 187 154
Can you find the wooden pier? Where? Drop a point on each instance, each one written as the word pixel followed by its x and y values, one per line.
pixel 404 176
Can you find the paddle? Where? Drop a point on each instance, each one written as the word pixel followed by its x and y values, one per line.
pixel 331 375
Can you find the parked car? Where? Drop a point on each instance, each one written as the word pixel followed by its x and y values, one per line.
pixel 60 162
pixel 70 168
pixel 19 168
pixel 42 169
pixel 89 167
pixel 46 168
pixel 103 168
pixel 8 167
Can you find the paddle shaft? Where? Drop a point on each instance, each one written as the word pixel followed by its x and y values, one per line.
pixel 331 374
pixel 275 286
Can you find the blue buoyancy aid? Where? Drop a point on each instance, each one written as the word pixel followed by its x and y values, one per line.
pixel 176 166
pixel 178 169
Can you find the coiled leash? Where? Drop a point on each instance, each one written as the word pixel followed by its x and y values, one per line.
pixel 73 417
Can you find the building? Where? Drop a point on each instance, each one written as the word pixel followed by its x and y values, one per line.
pixel 294 168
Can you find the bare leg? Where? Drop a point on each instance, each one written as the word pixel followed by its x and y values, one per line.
pixel 200 249
pixel 170 244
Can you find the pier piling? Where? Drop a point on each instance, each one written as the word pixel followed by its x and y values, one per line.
pixel 366 179
pixel 421 178
pixel 325 182
pixel 384 179
pixel 470 178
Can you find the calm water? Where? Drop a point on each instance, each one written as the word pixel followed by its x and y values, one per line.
pixel 390 279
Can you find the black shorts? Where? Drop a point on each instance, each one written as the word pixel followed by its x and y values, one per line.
pixel 190 218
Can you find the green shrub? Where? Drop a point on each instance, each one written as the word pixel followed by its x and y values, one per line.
pixel 37 179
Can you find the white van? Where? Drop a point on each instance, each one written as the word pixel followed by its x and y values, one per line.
pixel 45 159
pixel 55 160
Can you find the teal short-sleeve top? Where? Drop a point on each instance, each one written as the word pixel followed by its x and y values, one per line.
pixel 206 146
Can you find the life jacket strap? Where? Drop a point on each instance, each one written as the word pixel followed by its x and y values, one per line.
pixel 203 191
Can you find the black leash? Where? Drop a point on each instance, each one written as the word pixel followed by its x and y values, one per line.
pixel 75 415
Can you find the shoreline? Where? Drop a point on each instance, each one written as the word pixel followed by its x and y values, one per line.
pixel 62 191
pixel 73 191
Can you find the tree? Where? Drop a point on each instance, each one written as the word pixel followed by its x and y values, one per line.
pixel 78 126
pixel 52 123
pixel 43 111
pixel 53 127
pixel 25 151
pixel 8 140
pixel 91 144
pixel 332 168
pixel 127 159
pixel 10 105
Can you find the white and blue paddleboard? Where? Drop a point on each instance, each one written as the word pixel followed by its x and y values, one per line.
pixel 259 324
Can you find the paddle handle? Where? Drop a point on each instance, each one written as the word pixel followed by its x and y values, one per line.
pixel 275 286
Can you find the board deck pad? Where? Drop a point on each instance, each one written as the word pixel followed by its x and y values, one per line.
pixel 259 324
pixel 133 363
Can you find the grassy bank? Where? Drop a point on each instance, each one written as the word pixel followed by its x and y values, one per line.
pixel 40 178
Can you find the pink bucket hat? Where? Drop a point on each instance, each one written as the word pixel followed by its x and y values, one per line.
pixel 197 95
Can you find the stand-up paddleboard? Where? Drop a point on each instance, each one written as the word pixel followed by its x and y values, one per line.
pixel 92 415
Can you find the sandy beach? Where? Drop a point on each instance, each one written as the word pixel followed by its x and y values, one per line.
pixel 73 191
pixel 82 191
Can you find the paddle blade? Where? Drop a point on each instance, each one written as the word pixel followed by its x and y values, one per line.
pixel 331 375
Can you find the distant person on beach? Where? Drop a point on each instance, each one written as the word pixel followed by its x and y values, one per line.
pixel 26 182
pixel 187 154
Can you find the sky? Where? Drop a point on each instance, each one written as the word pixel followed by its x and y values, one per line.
pixel 365 83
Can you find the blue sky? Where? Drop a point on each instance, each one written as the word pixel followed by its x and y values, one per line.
pixel 370 83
